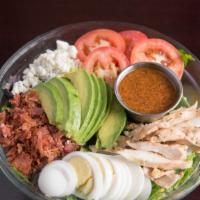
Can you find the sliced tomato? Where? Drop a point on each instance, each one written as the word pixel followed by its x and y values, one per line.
pixel 131 38
pixel 97 38
pixel 158 50
pixel 106 62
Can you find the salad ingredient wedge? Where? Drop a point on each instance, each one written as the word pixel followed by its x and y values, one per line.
pixel 112 126
pixel 48 101
pixel 98 105
pixel 106 62
pixel 65 177
pixel 131 38
pixel 161 51
pixel 146 191
pixel 101 112
pixel 107 172
pixel 59 104
pixel 97 187
pixel 72 108
pixel 97 38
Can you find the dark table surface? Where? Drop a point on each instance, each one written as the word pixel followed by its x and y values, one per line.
pixel 22 20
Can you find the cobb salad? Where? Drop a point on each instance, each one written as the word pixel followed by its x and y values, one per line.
pixel 64 131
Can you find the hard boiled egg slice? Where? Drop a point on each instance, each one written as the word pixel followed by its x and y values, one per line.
pixel 57 179
pixel 138 179
pixel 146 191
pixel 118 180
pixel 97 186
pixel 127 186
pixel 107 171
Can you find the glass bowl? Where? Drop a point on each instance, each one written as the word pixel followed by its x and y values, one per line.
pixel 13 68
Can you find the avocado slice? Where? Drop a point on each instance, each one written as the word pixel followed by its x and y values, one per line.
pixel 86 88
pixel 72 107
pixel 109 101
pixel 101 112
pixel 47 100
pixel 112 126
pixel 59 114
pixel 100 104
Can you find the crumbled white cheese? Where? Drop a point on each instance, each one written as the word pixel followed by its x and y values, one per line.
pixel 48 65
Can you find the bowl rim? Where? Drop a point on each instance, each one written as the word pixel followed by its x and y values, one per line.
pixel 32 43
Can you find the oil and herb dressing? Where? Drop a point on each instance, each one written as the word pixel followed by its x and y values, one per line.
pixel 147 90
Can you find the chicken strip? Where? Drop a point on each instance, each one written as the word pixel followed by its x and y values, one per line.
pixel 189 136
pixel 157 173
pixel 153 160
pixel 176 117
pixel 173 152
pixel 168 180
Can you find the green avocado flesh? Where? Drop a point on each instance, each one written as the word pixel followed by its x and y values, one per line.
pixel 48 101
pixel 72 107
pixel 86 87
pixel 112 126
pixel 99 112
pixel 59 114
pixel 81 105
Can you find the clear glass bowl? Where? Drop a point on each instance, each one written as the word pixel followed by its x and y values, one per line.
pixel 25 55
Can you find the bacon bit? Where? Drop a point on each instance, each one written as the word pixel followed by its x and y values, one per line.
pixel 69 146
pixel 5 130
pixel 44 144
pixel 36 112
pixel 16 100
pixel 3 117
pixel 23 163
pixel 29 140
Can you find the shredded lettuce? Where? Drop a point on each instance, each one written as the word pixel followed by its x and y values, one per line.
pixel 183 103
pixel 71 197
pixel 159 193
pixel 186 57
pixel 5 106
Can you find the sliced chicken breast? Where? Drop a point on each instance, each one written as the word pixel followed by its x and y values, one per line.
pixel 153 160
pixel 168 180
pixel 157 173
pixel 173 152
pixel 189 136
pixel 176 117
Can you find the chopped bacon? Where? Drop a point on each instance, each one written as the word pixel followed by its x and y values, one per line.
pixel 69 146
pixel 16 100
pixel 23 163
pixel 2 117
pixel 29 140
pixel 5 130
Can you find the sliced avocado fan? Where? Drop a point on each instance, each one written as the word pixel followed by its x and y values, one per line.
pixel 72 107
pixel 112 126
pixel 61 104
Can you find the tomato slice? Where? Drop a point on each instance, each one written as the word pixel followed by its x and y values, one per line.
pixel 158 50
pixel 106 62
pixel 132 37
pixel 98 38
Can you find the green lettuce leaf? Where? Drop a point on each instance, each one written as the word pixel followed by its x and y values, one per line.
pixel 186 57
pixel 21 176
pixel 5 107
pixel 71 197
pixel 183 103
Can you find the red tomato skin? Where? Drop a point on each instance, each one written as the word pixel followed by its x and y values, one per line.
pixel 132 37
pixel 138 53
pixel 89 39
pixel 105 55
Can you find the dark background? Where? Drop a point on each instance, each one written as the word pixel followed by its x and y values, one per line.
pixel 22 20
